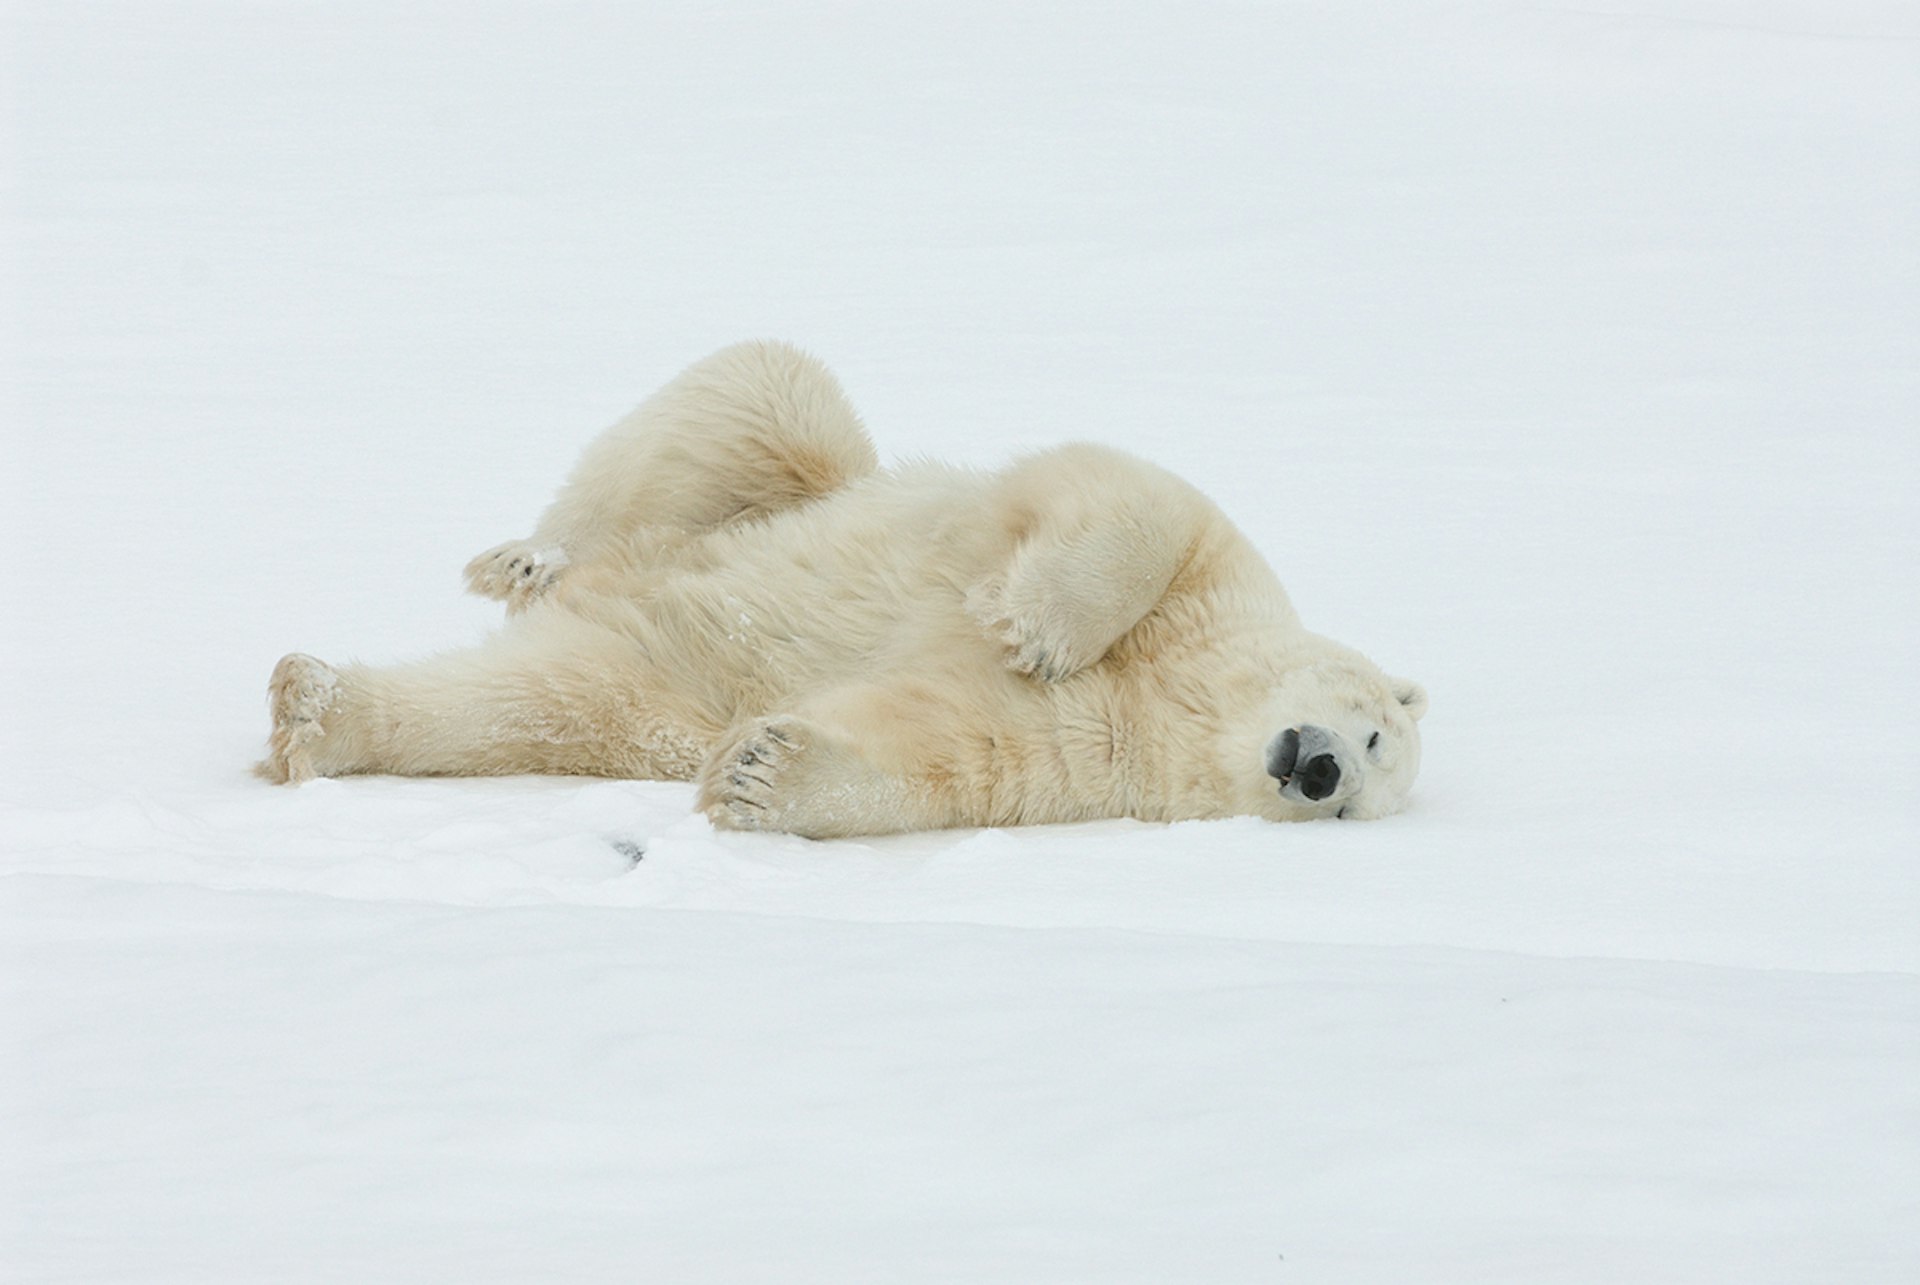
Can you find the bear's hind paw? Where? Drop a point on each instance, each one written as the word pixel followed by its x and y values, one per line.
pixel 515 573
pixel 300 691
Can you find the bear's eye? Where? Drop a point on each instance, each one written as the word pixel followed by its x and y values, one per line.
pixel 1373 742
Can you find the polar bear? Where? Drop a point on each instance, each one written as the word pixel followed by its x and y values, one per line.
pixel 730 590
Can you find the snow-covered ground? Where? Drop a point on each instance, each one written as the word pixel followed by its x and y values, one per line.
pixel 1564 358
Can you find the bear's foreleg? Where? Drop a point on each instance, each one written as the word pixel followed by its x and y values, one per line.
pixel 795 775
pixel 911 752
pixel 869 758
pixel 1100 540
pixel 1063 601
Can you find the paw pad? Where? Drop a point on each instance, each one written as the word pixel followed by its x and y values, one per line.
pixel 300 692
pixel 746 792
pixel 515 573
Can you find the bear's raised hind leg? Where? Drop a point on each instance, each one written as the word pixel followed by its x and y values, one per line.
pixel 516 573
pixel 749 431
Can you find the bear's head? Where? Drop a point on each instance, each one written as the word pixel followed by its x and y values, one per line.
pixel 1335 738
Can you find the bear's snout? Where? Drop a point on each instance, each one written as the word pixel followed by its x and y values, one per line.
pixel 1303 756
pixel 1320 777
pixel 1282 753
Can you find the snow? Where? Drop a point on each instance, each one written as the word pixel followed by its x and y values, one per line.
pixel 1566 359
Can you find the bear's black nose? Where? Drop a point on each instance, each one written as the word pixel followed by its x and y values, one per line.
pixel 1320 777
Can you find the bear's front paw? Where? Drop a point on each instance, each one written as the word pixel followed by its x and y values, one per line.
pixel 1030 653
pixel 788 774
pixel 299 693
pixel 747 787
pixel 516 573
pixel 1027 647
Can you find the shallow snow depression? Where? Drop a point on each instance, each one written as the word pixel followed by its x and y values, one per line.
pixel 1564 359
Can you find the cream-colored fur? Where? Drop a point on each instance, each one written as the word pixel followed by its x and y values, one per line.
pixel 729 590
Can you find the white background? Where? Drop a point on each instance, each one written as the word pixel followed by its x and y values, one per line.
pixel 1564 358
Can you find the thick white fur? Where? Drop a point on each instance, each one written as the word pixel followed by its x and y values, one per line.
pixel 728 589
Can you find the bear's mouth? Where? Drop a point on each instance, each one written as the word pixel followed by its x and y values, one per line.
pixel 1304 761
pixel 1283 754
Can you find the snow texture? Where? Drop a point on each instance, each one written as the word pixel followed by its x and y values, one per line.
pixel 1564 358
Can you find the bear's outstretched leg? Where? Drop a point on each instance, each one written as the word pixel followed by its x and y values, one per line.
pixel 564 698
pixel 748 431
pixel 298 694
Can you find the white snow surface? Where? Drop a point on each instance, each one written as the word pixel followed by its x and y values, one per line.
pixel 1566 358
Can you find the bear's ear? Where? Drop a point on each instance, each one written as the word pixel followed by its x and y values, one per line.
pixel 1410 694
